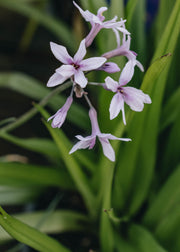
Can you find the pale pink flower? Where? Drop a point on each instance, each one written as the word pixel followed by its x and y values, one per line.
pixel 89 142
pixel 73 67
pixel 97 23
pixel 60 116
pixel 133 97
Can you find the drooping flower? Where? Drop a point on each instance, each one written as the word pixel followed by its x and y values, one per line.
pixel 133 97
pixel 60 116
pixel 97 23
pixel 73 66
pixel 89 141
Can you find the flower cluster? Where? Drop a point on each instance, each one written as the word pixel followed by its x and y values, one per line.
pixel 75 68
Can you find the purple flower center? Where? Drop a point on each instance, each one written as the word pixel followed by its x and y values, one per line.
pixel 75 66
pixel 120 90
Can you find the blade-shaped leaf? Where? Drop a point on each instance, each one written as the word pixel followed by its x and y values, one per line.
pixel 18 195
pixel 34 89
pixel 126 166
pixel 59 28
pixel 168 230
pixel 143 240
pixel 129 10
pixel 171 110
pixel 15 174
pixel 73 166
pixel 59 221
pixel 165 201
pixel 28 235
pixel 39 145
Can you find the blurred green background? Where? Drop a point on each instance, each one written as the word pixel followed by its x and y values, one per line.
pixel 63 195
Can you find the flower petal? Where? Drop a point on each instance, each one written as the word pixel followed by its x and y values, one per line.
pixel 135 98
pixel 81 52
pixel 55 80
pixel 111 137
pixel 109 67
pixel 80 78
pixel 83 144
pixel 61 53
pixel 111 84
pixel 100 13
pixel 66 70
pixel 117 36
pixel 127 72
pixel 116 105
pixel 140 65
pixel 107 149
pixel 123 30
pixel 87 15
pixel 92 63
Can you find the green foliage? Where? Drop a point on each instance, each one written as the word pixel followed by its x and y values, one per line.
pixel 132 205
pixel 29 235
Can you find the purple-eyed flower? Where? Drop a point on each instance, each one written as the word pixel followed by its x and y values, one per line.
pixel 97 23
pixel 133 97
pixel 60 116
pixel 73 67
pixel 89 142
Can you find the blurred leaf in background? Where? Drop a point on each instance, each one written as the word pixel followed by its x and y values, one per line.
pixel 52 201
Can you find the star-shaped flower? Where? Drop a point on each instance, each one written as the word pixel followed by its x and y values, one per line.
pixel 133 97
pixel 89 141
pixel 97 23
pixel 73 67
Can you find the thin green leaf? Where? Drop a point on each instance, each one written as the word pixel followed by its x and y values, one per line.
pixel 74 169
pixel 34 89
pixel 71 163
pixel 167 200
pixel 137 29
pixel 148 145
pixel 85 161
pixel 126 166
pixel 168 230
pixel 143 240
pixel 171 33
pixel 137 239
pixel 28 235
pixel 164 11
pixel 129 11
pixel 59 28
pixel 171 110
pixel 117 9
pixel 7 120
pixel 15 174
pixel 171 156
pixel 59 221
pixel 39 145
pixel 18 195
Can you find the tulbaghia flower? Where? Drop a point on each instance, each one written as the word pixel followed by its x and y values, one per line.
pixel 60 116
pixel 89 142
pixel 133 97
pixel 97 23
pixel 124 50
pixel 73 66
